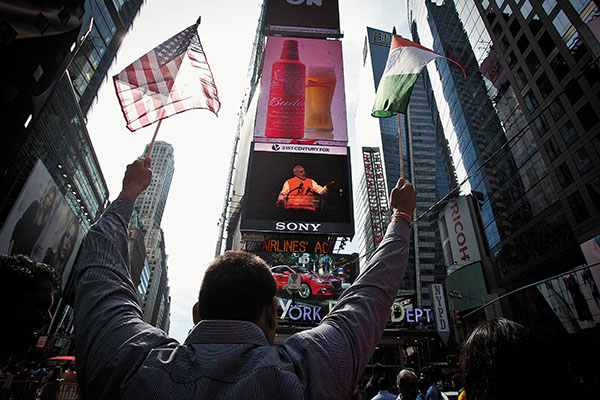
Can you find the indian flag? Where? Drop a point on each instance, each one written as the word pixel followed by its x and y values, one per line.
pixel 405 62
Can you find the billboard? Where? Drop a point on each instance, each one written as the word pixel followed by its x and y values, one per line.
pixel 574 298
pixel 456 227
pixel 294 188
pixel 302 97
pixel 41 224
pixel 303 16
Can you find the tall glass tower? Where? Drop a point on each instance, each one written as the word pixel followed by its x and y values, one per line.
pixel 423 165
pixel 523 131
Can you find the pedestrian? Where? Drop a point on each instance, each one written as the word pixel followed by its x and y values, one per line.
pixel 383 386
pixel 431 389
pixel 458 386
pixel 505 360
pixel 230 353
pixel 408 385
pixel 27 291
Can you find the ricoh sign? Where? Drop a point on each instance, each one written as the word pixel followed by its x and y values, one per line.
pixel 461 234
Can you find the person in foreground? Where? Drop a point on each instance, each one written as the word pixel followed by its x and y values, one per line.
pixel 506 360
pixel 229 354
pixel 27 291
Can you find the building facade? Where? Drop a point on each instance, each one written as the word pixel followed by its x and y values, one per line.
pixel 523 134
pixel 150 205
pixel 423 165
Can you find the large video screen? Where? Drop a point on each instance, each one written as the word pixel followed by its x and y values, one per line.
pixel 298 189
pixel 41 224
pixel 302 96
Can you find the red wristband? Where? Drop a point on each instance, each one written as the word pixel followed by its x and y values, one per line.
pixel 399 215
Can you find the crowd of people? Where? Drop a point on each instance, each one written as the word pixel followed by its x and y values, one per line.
pixel 38 382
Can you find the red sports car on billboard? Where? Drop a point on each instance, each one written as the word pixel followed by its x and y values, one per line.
pixel 311 283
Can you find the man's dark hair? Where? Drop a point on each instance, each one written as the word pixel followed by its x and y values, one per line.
pixel 383 383
pixel 501 355
pixel 19 273
pixel 236 286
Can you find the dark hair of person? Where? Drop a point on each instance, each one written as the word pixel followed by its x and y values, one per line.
pixel 236 286
pixel 503 359
pixel 19 273
pixel 383 383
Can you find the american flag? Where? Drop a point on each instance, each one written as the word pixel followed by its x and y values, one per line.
pixel 172 78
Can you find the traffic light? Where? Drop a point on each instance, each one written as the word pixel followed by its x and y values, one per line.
pixel 457 317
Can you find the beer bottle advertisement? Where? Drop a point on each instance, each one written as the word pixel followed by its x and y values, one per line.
pixel 302 96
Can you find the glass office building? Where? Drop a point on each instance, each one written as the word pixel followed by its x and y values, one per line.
pixel 523 134
pixel 423 165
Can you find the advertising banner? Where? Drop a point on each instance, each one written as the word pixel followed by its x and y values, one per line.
pixel 303 16
pixel 574 298
pixel 294 188
pixel 302 97
pixel 41 224
pixel 456 227
pixel 440 311
pixel 377 192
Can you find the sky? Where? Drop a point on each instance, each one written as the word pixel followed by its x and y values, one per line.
pixel 203 142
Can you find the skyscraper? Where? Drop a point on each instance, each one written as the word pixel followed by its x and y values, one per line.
pixel 523 131
pixel 423 165
pixel 56 133
pixel 151 205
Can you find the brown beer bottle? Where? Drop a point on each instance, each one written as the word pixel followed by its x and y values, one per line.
pixel 285 110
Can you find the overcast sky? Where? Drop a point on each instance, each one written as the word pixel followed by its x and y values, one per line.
pixel 203 142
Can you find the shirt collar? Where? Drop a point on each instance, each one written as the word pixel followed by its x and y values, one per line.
pixel 226 331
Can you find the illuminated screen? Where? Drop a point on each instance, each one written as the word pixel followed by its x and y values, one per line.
pixel 298 189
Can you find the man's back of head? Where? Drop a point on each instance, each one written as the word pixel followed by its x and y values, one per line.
pixel 236 286
pixel 408 384
pixel 26 295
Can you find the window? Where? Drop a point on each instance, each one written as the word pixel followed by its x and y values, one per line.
pixel 523 43
pixel 559 66
pixel 546 44
pixel 541 125
pixel 568 133
pixel 563 173
pixel 526 9
pixel 533 63
pixel 578 207
pixel 520 78
pixel 515 27
pixel 552 148
pixel 535 25
pixel 531 102
pixel 593 188
pixel 561 23
pixel 544 85
pixel 573 91
pixel 548 6
pixel 507 12
pixel 510 59
pixel 596 142
pixel 576 47
pixel 582 160
pixel 588 116
pixel 556 109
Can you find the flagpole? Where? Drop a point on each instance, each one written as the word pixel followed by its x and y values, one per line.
pixel 400 145
pixel 153 138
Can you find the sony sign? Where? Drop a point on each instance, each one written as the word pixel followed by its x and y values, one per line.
pixel 297 226
pixel 461 234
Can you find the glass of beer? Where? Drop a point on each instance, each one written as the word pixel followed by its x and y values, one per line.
pixel 320 86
